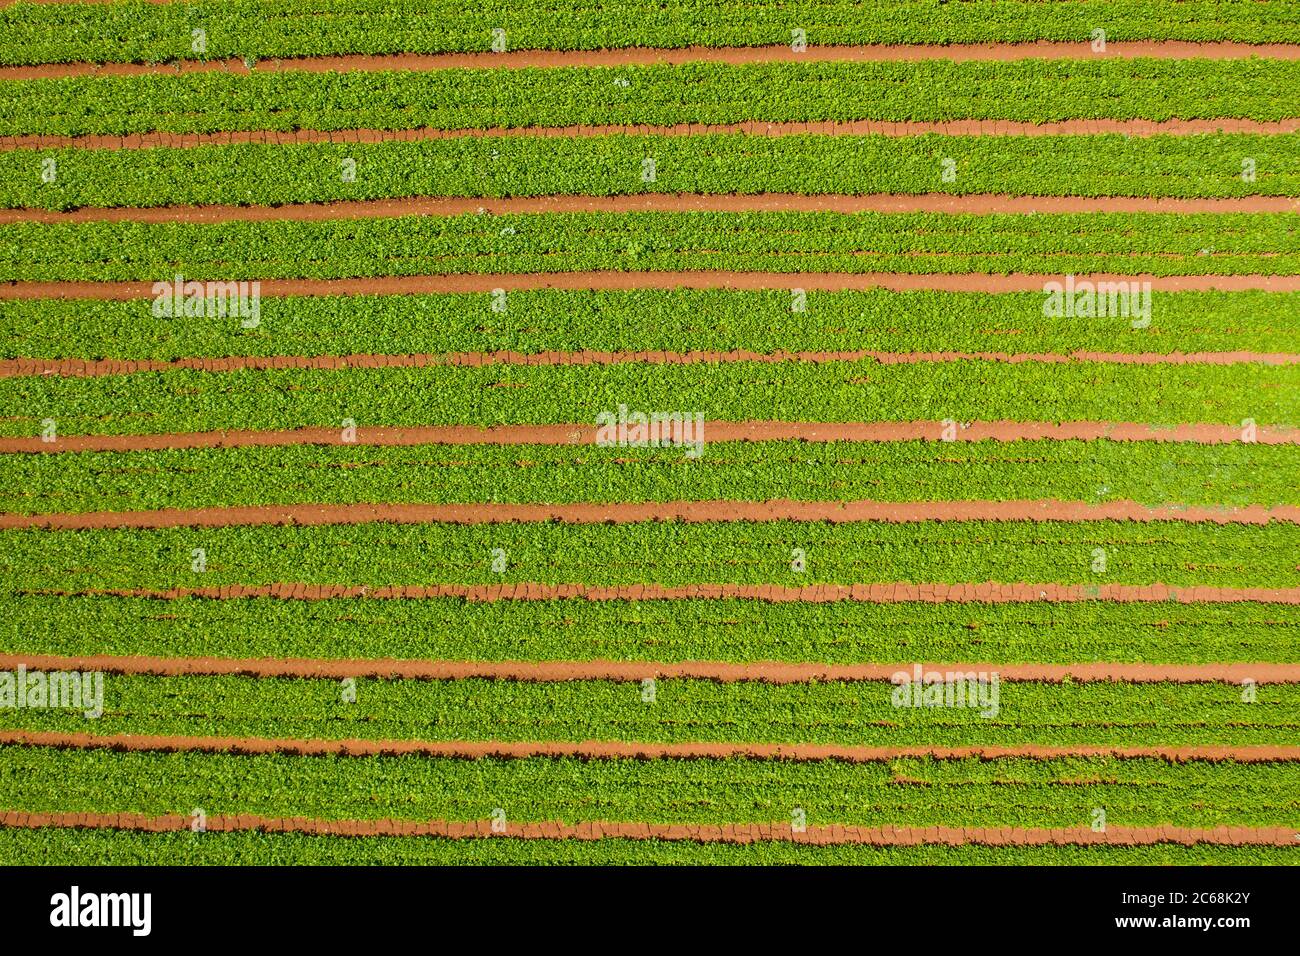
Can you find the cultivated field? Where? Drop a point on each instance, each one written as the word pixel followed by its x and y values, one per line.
pixel 675 432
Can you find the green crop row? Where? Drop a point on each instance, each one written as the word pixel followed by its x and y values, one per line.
pixel 904 792
pixel 833 712
pixel 1124 243
pixel 1034 91
pixel 495 166
pixel 137 32
pixel 846 632
pixel 851 391
pixel 60 847
pixel 1150 472
pixel 651 320
pixel 667 552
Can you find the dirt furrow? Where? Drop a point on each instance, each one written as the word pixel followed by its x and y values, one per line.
pixel 734 833
pixel 810 281
pixel 647 56
pixel 574 434
pixel 892 592
pixel 725 672
pixel 95 368
pixel 627 750
pixel 691 512
pixel 976 204
pixel 966 127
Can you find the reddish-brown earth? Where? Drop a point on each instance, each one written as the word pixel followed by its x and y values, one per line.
pixel 833 512
pixel 988 592
pixel 574 434
pixel 978 204
pixel 726 672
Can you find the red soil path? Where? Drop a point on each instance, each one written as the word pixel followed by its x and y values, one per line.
pixel 644 56
pixel 574 434
pixel 691 512
pixel 693 833
pixel 627 750
pixel 736 833
pixel 988 592
pixel 1076 127
pixel 95 368
pixel 724 672
pixel 976 204
pixel 811 281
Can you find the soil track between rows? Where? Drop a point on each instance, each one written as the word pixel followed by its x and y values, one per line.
pixel 628 750
pixel 689 512
pixel 723 672
pixel 647 56
pixel 890 592
pixel 732 833
pixel 703 279
pixel 714 432
pixel 966 127
pixel 973 204
pixel 98 368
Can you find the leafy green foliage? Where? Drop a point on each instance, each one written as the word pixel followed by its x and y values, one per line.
pixel 832 712
pixel 1034 91
pixel 847 632
pixel 1123 243
pixel 125 848
pixel 903 792
pixel 37 567
pixel 866 390
pixel 666 552
pixel 288 28
pixel 683 320
pixel 495 166
pixel 1150 472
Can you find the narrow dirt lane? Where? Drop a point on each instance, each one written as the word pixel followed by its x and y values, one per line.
pixel 576 434
pixel 723 672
